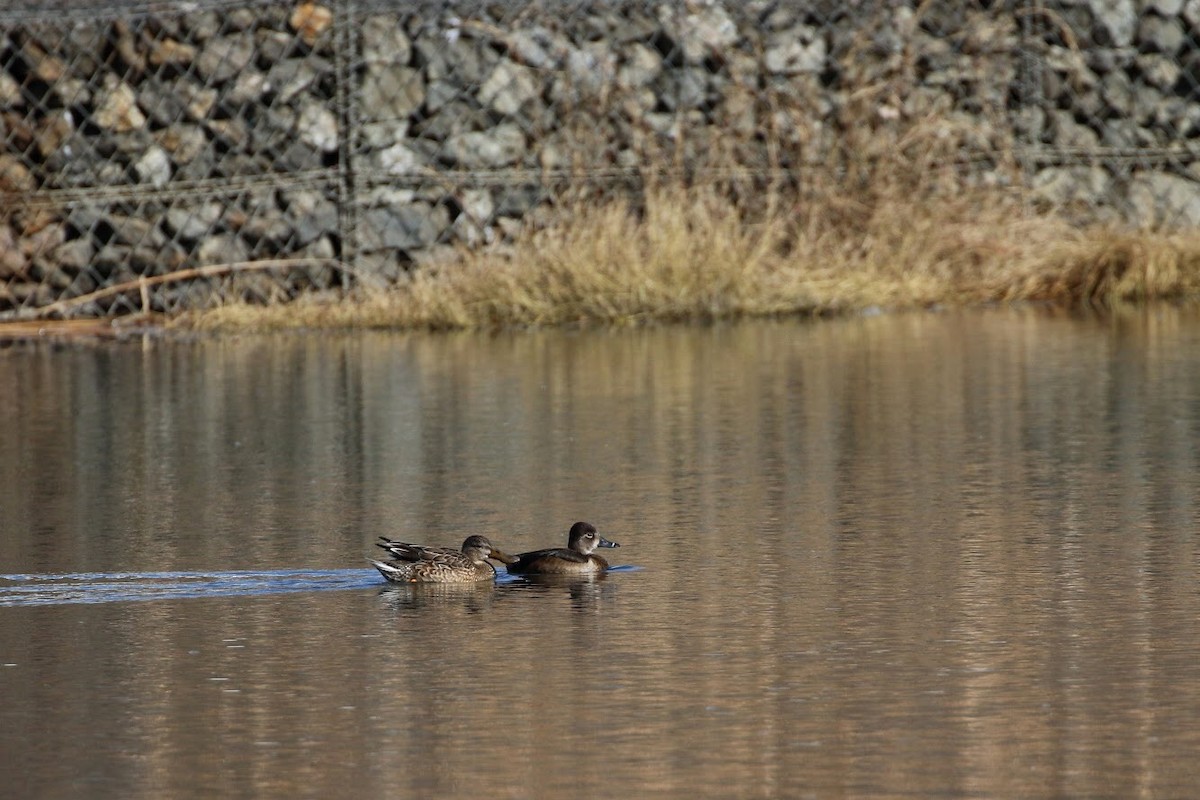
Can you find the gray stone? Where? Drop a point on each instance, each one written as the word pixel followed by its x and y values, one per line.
pixel 116 107
pixel 1116 21
pixel 1158 71
pixel 182 141
pixel 1066 132
pixel 224 57
pixel 499 147
pixel 455 59
pixel 1166 8
pixel 1160 199
pixel 391 92
pixel 1061 186
pixel 640 66
pixel 402 227
pixel 71 91
pixel 1191 13
pixel 162 102
pixel 291 76
pixel 136 231
pixel 683 88
pixel 273 45
pixel 1160 35
pixel 193 222
pixel 537 47
pixel 317 126
pixel 399 160
pixel 248 87
pixel 153 167
pixel 1124 133
pixel 590 70
pixel 508 88
pixel 75 254
pixel 224 248
pixel 702 31
pixel 1118 92
pixel 312 214
pixel 384 41
pixel 795 51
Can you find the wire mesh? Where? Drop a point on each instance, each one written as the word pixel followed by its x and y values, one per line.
pixel 163 156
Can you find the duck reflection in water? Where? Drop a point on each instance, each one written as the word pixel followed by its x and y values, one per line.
pixel 415 563
pixel 578 558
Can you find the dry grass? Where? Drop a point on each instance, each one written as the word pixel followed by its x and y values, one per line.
pixel 691 254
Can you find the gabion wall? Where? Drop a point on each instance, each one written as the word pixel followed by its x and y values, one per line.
pixel 155 156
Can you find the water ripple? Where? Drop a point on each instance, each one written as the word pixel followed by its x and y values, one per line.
pixel 119 587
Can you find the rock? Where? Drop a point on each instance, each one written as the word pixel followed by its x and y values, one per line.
pixel 10 92
pixel 311 22
pixel 795 51
pixel 318 127
pixel 75 254
pixel 1160 35
pixel 508 88
pixel 194 221
pixel 591 71
pixel 135 231
pixel 1158 71
pixel 1163 200
pixel 224 57
pixel 13 262
pixel 1166 8
pixel 14 175
pixel 1115 21
pixel 53 133
pixel 399 160
pixel 1118 93
pixel 182 141
pixel 402 227
pixel 391 92
pixel 311 213
pixel 703 32
pixel 1066 132
pixel 288 77
pixel 169 52
pixel 1191 13
pixel 153 167
pixel 163 102
pixel 499 147
pixel 248 87
pixel 1061 186
pixel 225 248
pixel 640 66
pixel 384 41
pixel 201 25
pixel 116 107
pixel 537 47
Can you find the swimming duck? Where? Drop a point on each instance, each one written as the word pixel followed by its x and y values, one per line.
pixel 576 558
pixel 416 563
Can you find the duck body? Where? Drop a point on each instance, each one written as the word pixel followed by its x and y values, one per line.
pixel 577 558
pixel 417 563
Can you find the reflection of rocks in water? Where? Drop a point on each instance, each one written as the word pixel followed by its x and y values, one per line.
pixel 470 597
pixel 586 591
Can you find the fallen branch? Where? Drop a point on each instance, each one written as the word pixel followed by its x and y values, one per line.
pixel 144 283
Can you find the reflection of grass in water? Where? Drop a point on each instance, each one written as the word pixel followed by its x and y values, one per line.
pixel 694 254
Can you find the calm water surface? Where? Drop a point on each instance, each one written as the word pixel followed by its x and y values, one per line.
pixel 936 555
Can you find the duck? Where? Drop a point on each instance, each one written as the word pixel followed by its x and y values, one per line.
pixel 577 558
pixel 417 563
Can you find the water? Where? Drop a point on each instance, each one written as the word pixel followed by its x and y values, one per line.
pixel 921 555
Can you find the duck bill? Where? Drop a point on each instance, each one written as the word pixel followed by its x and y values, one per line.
pixel 503 557
pixel 606 543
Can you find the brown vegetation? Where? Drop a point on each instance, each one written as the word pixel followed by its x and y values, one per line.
pixel 693 254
